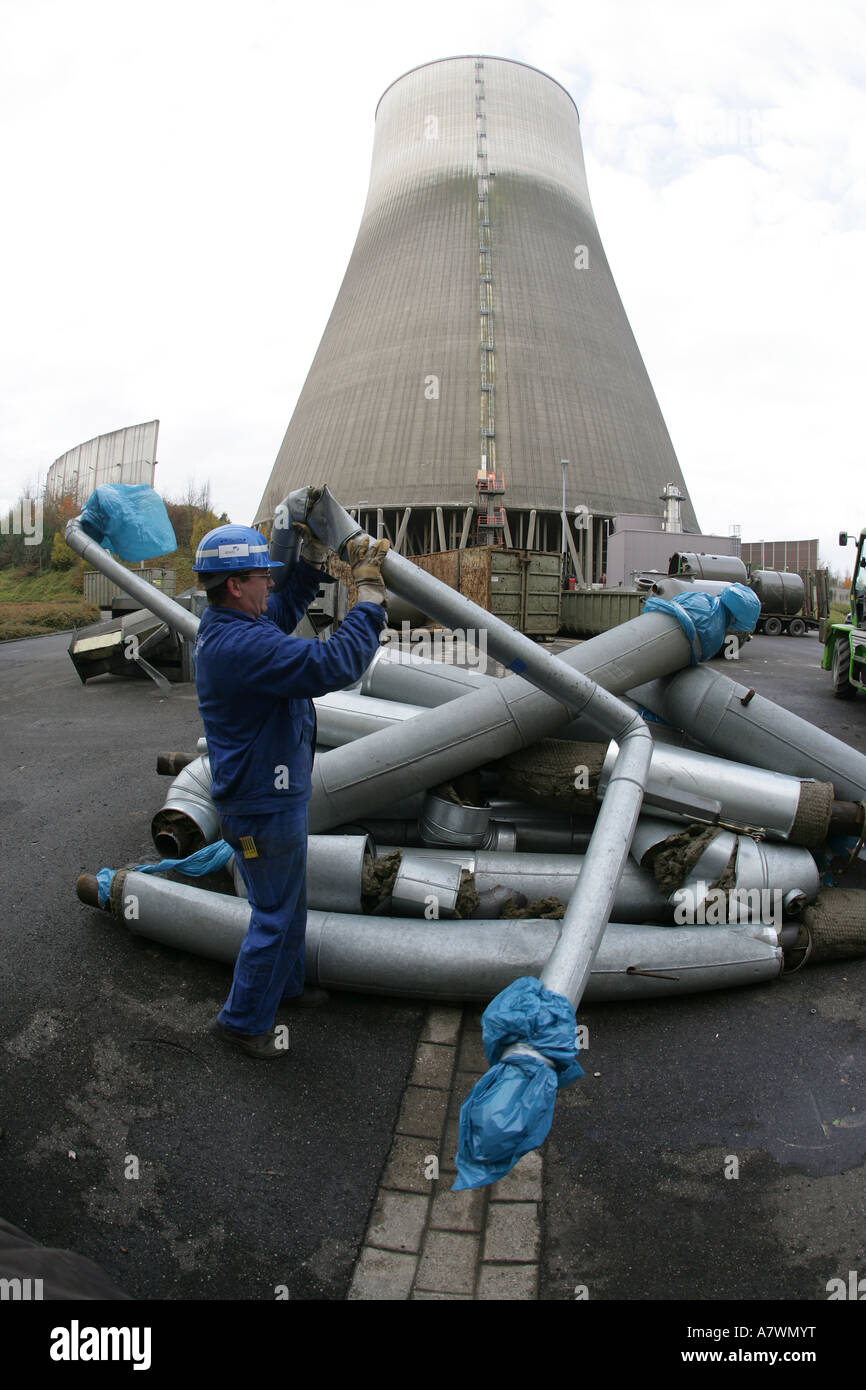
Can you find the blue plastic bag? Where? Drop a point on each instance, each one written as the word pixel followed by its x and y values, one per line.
pixel 130 520
pixel 204 861
pixel 743 607
pixel 705 618
pixel 510 1110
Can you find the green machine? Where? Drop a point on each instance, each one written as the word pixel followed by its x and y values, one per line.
pixel 845 643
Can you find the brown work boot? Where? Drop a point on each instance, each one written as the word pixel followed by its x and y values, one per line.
pixel 264 1046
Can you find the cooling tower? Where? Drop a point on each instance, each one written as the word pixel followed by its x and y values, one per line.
pixel 478 328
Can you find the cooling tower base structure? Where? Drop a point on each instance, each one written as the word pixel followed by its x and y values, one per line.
pixel 478 340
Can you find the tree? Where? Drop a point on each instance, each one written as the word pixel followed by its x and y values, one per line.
pixel 62 558
pixel 205 522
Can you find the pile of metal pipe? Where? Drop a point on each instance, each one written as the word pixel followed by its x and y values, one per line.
pixel 410 726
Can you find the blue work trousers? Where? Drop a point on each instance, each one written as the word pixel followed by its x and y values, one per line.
pixel 270 965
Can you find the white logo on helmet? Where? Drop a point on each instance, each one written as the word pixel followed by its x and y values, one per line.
pixel 235 548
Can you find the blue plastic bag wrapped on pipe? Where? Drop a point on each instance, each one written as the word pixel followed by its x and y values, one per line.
pixel 705 618
pixel 205 861
pixel 130 520
pixel 510 1110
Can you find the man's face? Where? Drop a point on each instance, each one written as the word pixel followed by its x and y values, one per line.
pixel 251 592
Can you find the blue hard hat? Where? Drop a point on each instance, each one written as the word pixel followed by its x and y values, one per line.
pixel 229 550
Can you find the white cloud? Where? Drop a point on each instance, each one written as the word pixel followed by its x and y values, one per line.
pixel 186 180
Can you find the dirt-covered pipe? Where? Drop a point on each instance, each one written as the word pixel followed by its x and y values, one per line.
pixel 638 898
pixel 687 864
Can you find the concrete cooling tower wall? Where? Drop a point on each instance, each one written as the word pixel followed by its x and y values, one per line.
pixel 478 327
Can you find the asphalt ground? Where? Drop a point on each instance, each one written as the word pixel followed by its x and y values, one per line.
pixel 256 1182
pixel 767 1082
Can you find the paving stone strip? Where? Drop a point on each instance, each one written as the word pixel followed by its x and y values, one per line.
pixel 425 1241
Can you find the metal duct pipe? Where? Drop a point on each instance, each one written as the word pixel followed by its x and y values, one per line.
pixel 344 716
pixel 465 962
pixel 333 525
pixel 401 612
pixel 335 872
pixel 399 834
pixel 150 597
pixel 585 730
pixel 352 713
pixel 746 797
pixel 540 835
pixel 729 718
pixel 589 908
pixel 398 675
pixel 188 819
pixel 444 822
pixel 353 782
pixel 670 587
pixel 714 567
pixel 778 871
pixel 637 899
pixel 421 884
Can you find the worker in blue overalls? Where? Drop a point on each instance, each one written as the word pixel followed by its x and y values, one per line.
pixel 255 684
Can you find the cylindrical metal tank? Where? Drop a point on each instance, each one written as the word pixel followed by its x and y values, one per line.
pixel 779 591
pixel 478 328
pixel 723 567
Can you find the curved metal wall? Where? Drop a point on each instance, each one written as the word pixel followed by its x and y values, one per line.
pixel 464 270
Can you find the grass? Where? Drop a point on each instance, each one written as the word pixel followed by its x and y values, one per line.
pixel 16 586
pixel 31 605
pixel 34 619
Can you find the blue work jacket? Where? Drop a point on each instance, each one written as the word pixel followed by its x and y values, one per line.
pixel 255 684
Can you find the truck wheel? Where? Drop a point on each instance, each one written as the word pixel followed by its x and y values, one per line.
pixel 842 687
pixel 797 627
pixel 772 626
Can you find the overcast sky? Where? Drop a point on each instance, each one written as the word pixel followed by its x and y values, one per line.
pixel 183 181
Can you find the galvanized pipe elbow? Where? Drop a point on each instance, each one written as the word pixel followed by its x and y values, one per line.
pixel 188 819
pixel 327 520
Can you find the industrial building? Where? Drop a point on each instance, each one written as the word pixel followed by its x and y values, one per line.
pixel 478 376
pixel 781 555
pixel 123 456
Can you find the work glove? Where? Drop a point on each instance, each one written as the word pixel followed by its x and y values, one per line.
pixel 365 557
pixel 314 551
pixel 287 537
